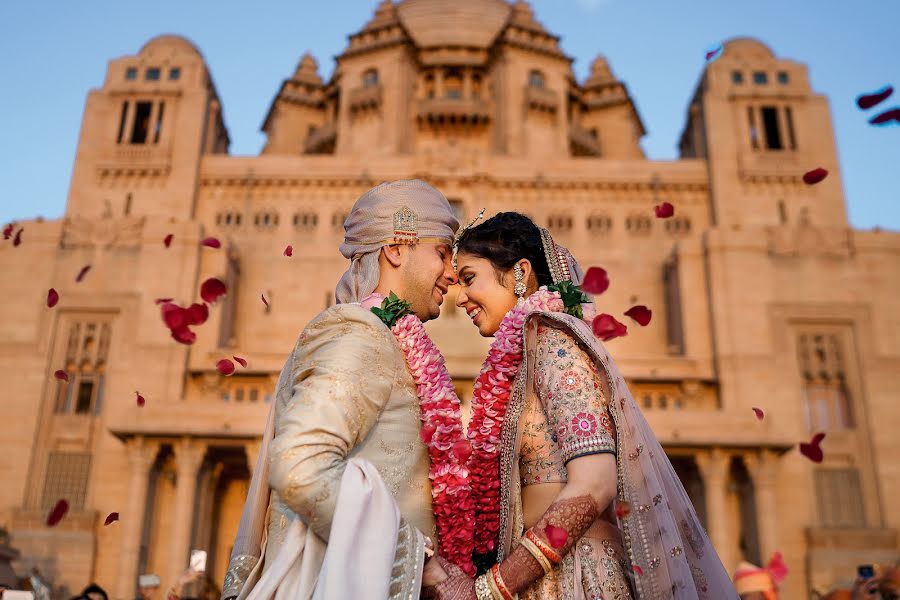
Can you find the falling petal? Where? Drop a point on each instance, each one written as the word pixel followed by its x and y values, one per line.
pixel 212 289
pixel 815 176
pixel 58 512
pixel 596 281
pixel 812 449
pixel 184 335
pixel 240 360
pixel 623 509
pixel 225 366
pixel 557 536
pixel 211 242
pixel 197 314
pixel 7 231
pixel 888 117
pixel 759 413
pixel 640 313
pixel 606 327
pixel 111 518
pixel 162 300
pixel 777 568
pixel 263 296
pixel 61 375
pixel 52 298
pixel 139 398
pixel 867 101
pixel 637 570
pixel 167 241
pixel 713 52
pixel 82 273
pixel 289 251
pixel 664 210
pixel 18 239
pixel 174 316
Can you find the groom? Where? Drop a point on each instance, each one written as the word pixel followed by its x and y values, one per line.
pixel 346 392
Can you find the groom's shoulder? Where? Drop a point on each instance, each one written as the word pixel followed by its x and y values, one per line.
pixel 340 320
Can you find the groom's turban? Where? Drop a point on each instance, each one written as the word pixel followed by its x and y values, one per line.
pixel 396 212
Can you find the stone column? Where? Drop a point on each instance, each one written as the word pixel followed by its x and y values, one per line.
pixel 439 83
pixel 763 469
pixel 467 84
pixel 714 469
pixel 252 451
pixel 141 456
pixel 188 457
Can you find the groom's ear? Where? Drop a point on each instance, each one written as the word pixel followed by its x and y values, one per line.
pixel 392 254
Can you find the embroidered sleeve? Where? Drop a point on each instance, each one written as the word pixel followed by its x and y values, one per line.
pixel 569 384
pixel 342 376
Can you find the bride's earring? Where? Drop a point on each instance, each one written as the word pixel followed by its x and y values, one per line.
pixel 519 289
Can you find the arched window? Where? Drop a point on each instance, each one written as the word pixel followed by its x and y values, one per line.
pixel 370 78
pixel 638 224
pixel 535 79
pixel 453 84
pixel 599 223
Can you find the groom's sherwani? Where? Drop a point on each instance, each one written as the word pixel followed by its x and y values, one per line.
pixel 346 392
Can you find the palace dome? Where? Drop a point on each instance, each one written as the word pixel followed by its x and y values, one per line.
pixel 468 23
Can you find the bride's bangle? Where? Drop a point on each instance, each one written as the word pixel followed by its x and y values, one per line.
pixel 545 549
pixel 537 554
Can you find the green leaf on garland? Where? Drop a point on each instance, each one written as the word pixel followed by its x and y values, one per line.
pixel 392 309
pixel 572 297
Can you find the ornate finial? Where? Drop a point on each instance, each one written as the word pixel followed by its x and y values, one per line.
pixel 406 226
pixel 460 233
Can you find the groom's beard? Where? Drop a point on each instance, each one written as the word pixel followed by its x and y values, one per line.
pixel 422 297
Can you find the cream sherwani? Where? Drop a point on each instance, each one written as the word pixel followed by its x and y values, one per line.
pixel 346 392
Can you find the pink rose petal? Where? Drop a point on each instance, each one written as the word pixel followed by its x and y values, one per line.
pixel 58 512
pixel 640 313
pixel 197 314
pixel 225 367
pixel 139 399
pixel 184 335
pixel 606 327
pixel 759 413
pixel 82 273
pixel 52 298
pixel 815 176
pixel 240 360
pixel 596 281
pixel 211 242
pixel 557 536
pixel 174 316
pixel 111 518
pixel 289 251
pixel 664 210
pixel 212 289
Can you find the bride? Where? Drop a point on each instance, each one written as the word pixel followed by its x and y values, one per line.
pixel 573 495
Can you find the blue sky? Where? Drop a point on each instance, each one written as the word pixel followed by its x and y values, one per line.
pixel 54 52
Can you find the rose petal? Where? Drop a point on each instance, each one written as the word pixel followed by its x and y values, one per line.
pixel 289 251
pixel 111 518
pixel 174 316
pixel 7 231
pixel 82 273
pixel 167 241
pixel 759 413
pixel 58 512
pixel 606 327
pixel 640 313
pixel 18 239
pixel 225 367
pixel 184 335
pixel 52 298
pixel 263 296
pixel 867 101
pixel 623 509
pixel 812 450
pixel 637 570
pixel 596 281
pixel 427 432
pixel 197 314
pixel 815 176
pixel 139 399
pixel 664 210
pixel 211 242
pixel 162 300
pixel 212 289
pixel 777 568
pixel 713 52
pixel 240 360
pixel 888 117
pixel 61 375
pixel 462 450
pixel 557 536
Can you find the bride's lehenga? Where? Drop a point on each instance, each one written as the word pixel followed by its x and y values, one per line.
pixel 564 416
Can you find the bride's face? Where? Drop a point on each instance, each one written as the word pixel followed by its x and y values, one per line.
pixel 485 294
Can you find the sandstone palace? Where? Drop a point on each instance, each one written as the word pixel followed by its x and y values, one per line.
pixel 762 294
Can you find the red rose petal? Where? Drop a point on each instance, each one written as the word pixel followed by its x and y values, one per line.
pixel 640 313
pixel 462 450
pixel 174 316
pixel 211 242
pixel 184 335
pixel 18 239
pixel 427 432
pixel 225 367
pixel 240 360
pixel 197 314
pixel 867 101
pixel 637 570
pixel 139 399
pixel 52 298
pixel 7 231
pixel 777 568
pixel 759 413
pixel 82 273
pixel 212 289
pixel 263 296
pixel 557 536
pixel 61 375
pixel 885 118
pixel 167 241
pixel 664 210
pixel 606 327
pixel 815 176
pixel 596 281
pixel 111 518
pixel 162 300
pixel 623 509
pixel 812 450
pixel 58 512
pixel 289 251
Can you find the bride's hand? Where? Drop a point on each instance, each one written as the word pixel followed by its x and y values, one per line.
pixel 433 573
pixel 452 583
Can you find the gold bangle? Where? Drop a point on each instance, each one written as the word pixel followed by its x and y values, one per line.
pixel 537 554
pixel 544 547
pixel 505 594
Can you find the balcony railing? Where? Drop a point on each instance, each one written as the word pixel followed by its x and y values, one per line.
pixel 472 111
pixel 322 140
pixel 541 98
pixel 365 98
pixel 583 142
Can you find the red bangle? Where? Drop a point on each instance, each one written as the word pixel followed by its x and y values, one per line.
pixel 544 547
pixel 501 585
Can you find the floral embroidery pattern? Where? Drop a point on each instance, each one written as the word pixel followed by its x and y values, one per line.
pixel 584 424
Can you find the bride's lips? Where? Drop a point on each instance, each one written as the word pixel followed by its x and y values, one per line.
pixel 475 314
